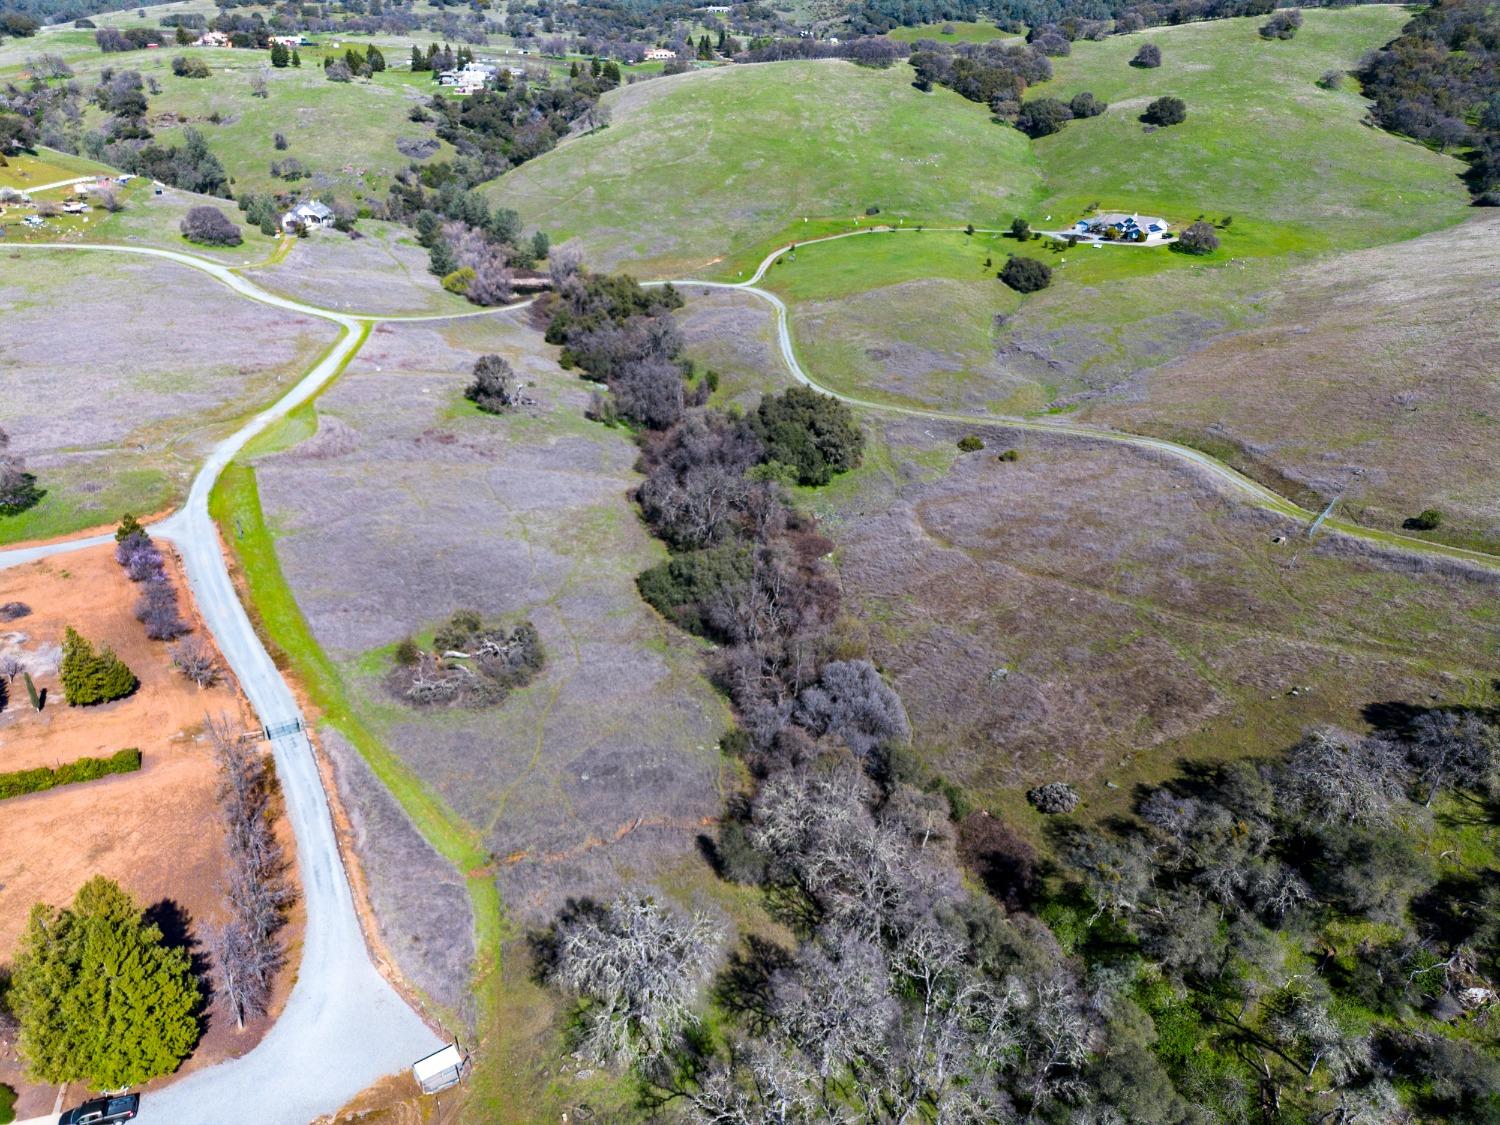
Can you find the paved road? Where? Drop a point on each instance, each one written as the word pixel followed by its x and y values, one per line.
pixel 344 1027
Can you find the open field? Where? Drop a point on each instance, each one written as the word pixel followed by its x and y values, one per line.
pixel 665 189
pixel 382 271
pixel 963 32
pixel 720 163
pixel 1092 614
pixel 156 831
pixel 602 770
pixel 408 505
pixel 25 171
pixel 735 335
pixel 1373 374
pixel 176 359
pixel 1374 360
pixel 344 133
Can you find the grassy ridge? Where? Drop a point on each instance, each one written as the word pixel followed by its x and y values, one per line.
pixel 708 171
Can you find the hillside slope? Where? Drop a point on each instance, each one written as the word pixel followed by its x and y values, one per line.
pixel 715 163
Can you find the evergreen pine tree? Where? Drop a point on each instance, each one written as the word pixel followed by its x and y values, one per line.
pixel 296 57
pixel 418 60
pixel 279 56
pixel 99 996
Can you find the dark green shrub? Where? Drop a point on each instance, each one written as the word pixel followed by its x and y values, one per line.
pixel 682 587
pixel 90 677
pixel 1026 275
pixel 970 443
pixel 1009 455
pixel 813 433
pixel 1165 111
pixel 1041 117
pixel 1426 520
pixel 1148 57
pixel 129 525
pixel 20 782
pixel 407 652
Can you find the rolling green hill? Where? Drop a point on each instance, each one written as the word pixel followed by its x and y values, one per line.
pixel 723 163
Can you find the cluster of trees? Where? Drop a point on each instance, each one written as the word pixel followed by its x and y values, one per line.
pixel 245 950
pixel 1229 872
pixel 990 73
pixel 54 115
pixel 620 334
pixel 18 489
pixel 1041 117
pixel 1439 81
pixel 869 50
pixel 190 66
pixel 156 608
pixel 1200 237
pixel 112 40
pixel 91 676
pixel 99 995
pixel 470 664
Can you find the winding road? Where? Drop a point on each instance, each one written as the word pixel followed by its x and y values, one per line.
pixel 344 1026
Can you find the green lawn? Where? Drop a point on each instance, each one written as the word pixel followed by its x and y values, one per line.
pixel 962 32
pixel 24 171
pixel 706 172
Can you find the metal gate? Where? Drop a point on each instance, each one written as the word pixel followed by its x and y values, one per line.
pixel 280 730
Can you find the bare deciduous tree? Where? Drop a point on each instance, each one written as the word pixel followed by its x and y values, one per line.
pixel 640 966
pixel 195 660
pixel 246 953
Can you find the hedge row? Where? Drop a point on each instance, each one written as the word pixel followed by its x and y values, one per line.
pixel 21 782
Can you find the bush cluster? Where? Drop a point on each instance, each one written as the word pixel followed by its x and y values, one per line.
pixel 20 782
pixel 1026 275
pixel 470 664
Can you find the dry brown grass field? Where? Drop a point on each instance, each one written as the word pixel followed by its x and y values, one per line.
pixel 408 504
pixel 120 371
pixel 383 271
pixel 1092 613
pixel 1374 373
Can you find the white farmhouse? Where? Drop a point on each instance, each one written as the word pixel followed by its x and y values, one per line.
pixel 307 216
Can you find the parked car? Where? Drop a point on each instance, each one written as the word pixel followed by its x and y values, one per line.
pixel 103 1111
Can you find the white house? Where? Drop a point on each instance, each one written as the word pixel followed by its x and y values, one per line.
pixel 308 216
pixel 213 39
pixel 660 54
pixel 469 78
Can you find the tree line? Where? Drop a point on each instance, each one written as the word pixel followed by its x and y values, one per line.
pixel 1439 82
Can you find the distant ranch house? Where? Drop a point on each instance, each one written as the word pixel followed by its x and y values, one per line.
pixel 213 39
pixel 660 54
pixel 1117 226
pixel 470 78
pixel 307 216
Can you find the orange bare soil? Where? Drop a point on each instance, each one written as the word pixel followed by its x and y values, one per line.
pixel 157 832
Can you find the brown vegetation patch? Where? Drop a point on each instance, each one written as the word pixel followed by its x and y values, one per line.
pixel 1054 617
pixel 1375 376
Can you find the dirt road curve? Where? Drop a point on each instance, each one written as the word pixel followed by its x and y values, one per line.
pixel 344 1026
